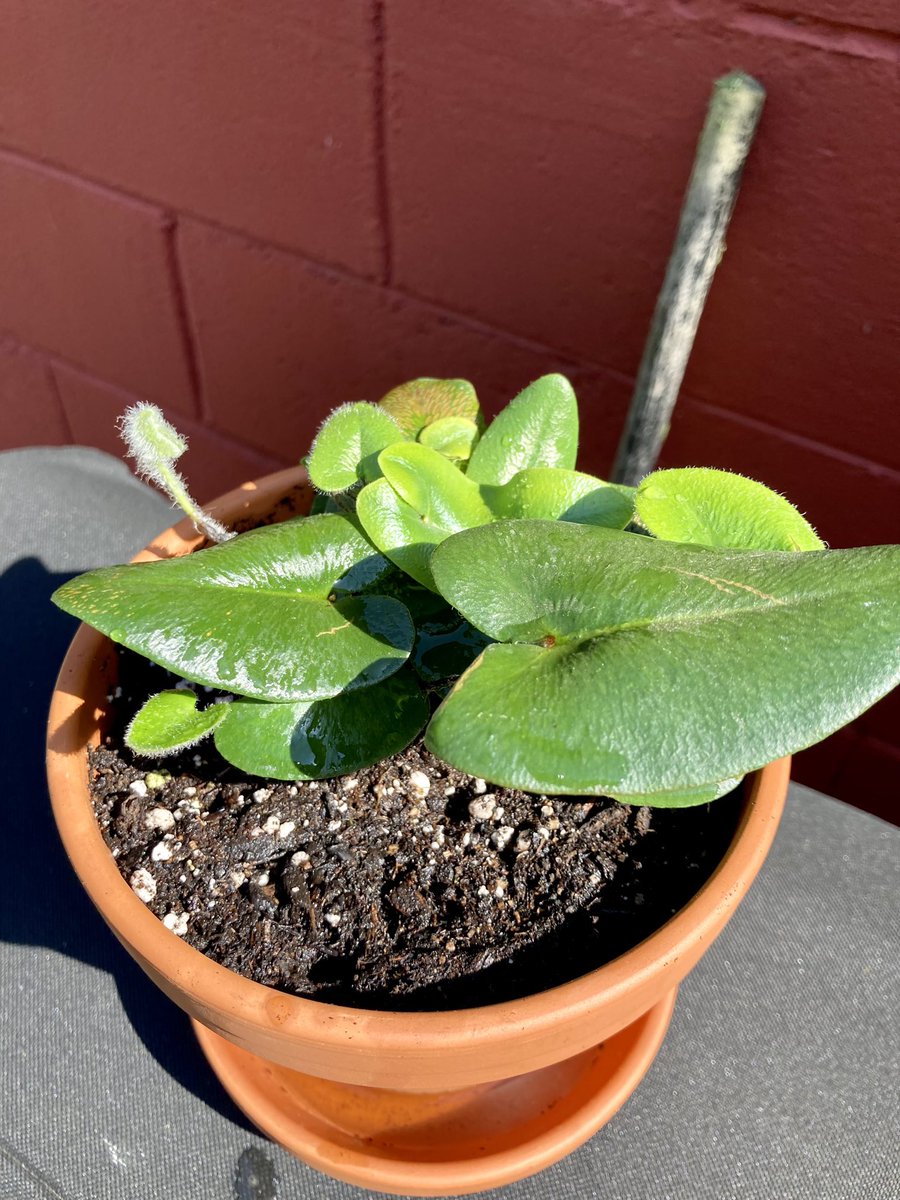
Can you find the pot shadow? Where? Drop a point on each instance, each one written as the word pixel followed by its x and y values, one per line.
pixel 42 903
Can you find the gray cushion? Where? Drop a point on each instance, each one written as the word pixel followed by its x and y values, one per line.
pixel 778 1078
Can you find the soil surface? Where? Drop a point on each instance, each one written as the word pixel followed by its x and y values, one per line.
pixel 408 884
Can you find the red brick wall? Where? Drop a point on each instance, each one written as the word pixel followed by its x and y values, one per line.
pixel 250 212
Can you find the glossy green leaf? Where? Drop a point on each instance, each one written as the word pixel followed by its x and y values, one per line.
pixel 347 446
pixel 717 508
pixel 398 530
pixel 454 437
pixel 327 737
pixel 170 721
pixel 255 615
pixel 641 666
pixel 555 494
pixel 434 487
pixel 537 429
pixel 420 402
pixel 422 499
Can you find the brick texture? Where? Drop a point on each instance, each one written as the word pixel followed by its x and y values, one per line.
pixel 32 414
pixel 810 475
pixel 87 276
pixel 860 28
pixel 859 769
pixel 259 115
pixel 536 182
pixel 319 339
pixel 865 775
pixel 213 463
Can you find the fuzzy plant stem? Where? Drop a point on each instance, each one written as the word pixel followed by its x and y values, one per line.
pixel 725 142
pixel 155 445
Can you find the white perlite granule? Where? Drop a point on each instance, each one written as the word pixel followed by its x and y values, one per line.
pixel 483 808
pixel 143 885
pixel 420 783
pixel 161 819
pixel 177 922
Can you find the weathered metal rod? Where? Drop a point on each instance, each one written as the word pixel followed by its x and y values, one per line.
pixel 731 121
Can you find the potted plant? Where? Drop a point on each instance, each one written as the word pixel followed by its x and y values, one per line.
pixel 468 582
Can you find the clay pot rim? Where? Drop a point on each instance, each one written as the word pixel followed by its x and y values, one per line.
pixel 683 937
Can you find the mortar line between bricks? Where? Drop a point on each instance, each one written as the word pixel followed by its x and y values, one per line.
pixel 879 742
pixel 276 461
pixel 382 185
pixel 77 368
pixel 54 388
pixel 52 360
pixel 183 315
pixel 63 174
pixel 798 439
pixel 465 320
pixel 161 209
pixel 335 271
pixel 755 423
pixel 832 37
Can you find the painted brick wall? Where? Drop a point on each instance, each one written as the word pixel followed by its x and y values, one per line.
pixel 250 212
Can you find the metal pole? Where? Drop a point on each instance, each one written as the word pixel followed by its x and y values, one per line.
pixel 731 121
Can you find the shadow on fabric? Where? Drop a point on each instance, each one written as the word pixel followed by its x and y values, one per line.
pixel 41 901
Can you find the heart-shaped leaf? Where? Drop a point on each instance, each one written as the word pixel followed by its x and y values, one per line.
pixel 454 437
pixel 653 667
pixel 717 508
pixel 434 487
pixel 255 615
pixel 325 738
pixel 170 721
pixel 420 402
pixel 555 494
pixel 398 530
pixel 537 429
pixel 347 446
pixel 422 500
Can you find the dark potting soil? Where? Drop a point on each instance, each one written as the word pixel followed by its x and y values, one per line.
pixel 405 885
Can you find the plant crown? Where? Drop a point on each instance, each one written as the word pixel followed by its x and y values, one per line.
pixel 465 579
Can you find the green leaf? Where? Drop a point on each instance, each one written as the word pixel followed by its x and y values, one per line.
pixel 654 667
pixel 417 404
pixel 454 437
pixel 398 530
pixel 718 508
pixel 327 737
pixel 704 794
pixel 434 487
pixel 422 499
pixel 150 437
pixel 555 494
pixel 537 429
pixel 171 721
pixel 347 446
pixel 256 615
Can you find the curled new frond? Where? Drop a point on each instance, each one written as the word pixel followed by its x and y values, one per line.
pixel 156 445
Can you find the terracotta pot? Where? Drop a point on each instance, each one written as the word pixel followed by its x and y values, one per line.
pixel 430 1103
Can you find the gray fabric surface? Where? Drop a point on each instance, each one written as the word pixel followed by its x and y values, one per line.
pixel 778 1079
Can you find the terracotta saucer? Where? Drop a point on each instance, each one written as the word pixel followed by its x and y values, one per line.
pixel 446 1143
